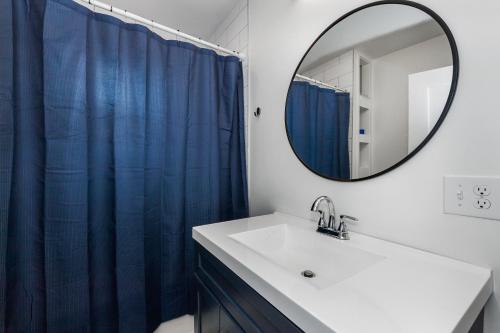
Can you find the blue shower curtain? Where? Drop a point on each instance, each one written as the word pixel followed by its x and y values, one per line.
pixel 114 143
pixel 317 121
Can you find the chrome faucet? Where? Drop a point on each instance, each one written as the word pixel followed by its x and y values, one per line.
pixel 331 227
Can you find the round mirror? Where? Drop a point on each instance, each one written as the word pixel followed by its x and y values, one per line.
pixel 372 90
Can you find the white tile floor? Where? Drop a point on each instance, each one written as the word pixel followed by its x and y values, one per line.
pixel 184 324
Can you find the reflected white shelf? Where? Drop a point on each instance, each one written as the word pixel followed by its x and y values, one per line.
pixel 365 102
pixel 363 138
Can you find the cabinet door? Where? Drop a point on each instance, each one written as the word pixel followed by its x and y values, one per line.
pixel 207 317
pixel 242 309
pixel 228 324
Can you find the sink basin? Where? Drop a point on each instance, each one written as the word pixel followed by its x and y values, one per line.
pixel 297 250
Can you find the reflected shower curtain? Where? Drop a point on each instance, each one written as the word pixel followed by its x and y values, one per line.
pixel 114 143
pixel 318 127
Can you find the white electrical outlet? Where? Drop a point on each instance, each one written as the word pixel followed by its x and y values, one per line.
pixel 482 203
pixel 472 196
pixel 481 190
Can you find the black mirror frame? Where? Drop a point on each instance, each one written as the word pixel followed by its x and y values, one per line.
pixel 449 101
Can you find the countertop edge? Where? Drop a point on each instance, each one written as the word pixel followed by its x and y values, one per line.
pixel 478 304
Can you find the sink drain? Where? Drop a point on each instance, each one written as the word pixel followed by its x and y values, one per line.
pixel 308 274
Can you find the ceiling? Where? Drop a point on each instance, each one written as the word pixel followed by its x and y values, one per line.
pixel 375 31
pixel 400 39
pixel 195 17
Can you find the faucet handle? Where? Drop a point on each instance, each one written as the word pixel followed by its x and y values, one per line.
pixel 342 226
pixel 347 218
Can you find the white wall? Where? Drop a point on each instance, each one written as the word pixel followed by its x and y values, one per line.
pixel 406 205
pixel 390 96
pixel 195 17
pixel 337 71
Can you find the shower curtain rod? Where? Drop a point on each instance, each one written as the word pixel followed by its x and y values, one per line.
pixel 305 78
pixel 158 26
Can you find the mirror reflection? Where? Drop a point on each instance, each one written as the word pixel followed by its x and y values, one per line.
pixel 369 92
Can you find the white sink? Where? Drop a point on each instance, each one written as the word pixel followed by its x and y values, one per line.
pixel 296 250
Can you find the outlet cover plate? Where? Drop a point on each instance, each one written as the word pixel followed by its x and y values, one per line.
pixel 461 199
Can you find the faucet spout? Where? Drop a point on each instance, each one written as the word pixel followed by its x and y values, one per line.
pixel 332 217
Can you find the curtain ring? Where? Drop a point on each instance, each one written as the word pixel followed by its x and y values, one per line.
pixel 92 5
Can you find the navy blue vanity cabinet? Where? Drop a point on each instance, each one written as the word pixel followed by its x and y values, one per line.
pixel 226 304
pixel 227 323
pixel 208 312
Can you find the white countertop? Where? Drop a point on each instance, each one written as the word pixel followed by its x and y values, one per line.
pixel 408 291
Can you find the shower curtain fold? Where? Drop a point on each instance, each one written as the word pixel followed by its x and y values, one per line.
pixel 114 143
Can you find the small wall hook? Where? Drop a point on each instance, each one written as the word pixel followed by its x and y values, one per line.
pixel 257 113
